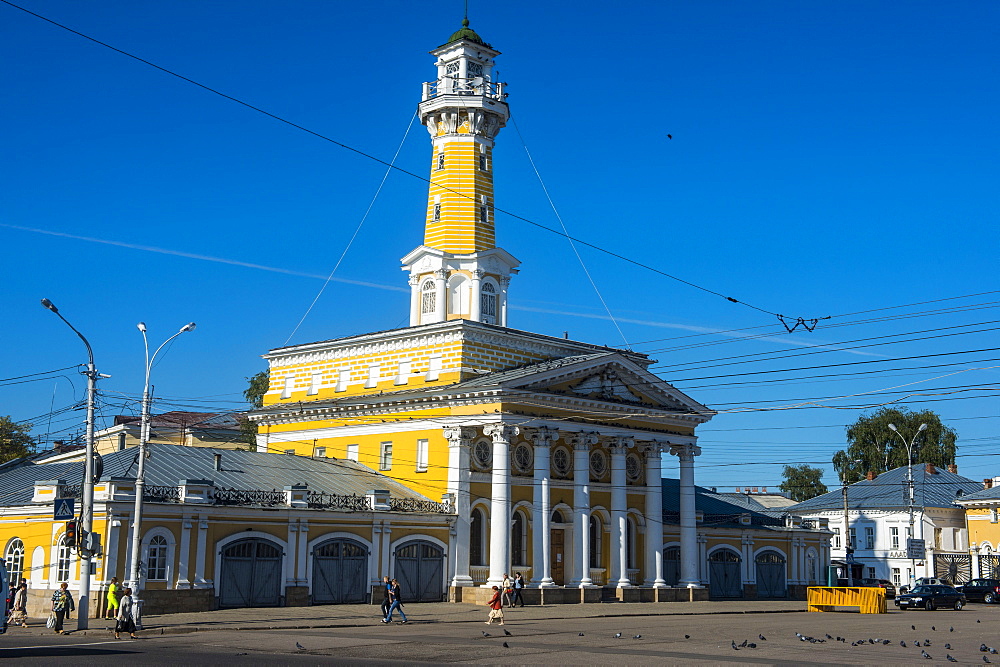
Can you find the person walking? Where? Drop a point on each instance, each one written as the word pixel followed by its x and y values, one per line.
pixel 496 606
pixel 397 602
pixel 62 605
pixel 125 620
pixel 507 588
pixel 19 608
pixel 386 602
pixel 518 585
pixel 114 593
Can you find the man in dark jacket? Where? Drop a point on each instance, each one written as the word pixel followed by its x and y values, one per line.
pixel 386 602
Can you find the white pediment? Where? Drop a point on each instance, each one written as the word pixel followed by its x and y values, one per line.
pixel 607 385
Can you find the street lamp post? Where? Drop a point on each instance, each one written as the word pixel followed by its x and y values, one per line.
pixel 87 502
pixel 140 481
pixel 909 484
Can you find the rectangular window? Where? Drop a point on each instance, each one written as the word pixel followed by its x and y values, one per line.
pixel 937 538
pixel 894 537
pixel 870 538
pixel 342 379
pixel 290 452
pixel 421 456
pixel 871 572
pixel 404 371
pixel 434 369
pixel 440 164
pixel 286 391
pixel 836 538
pixel 437 212
pixel 483 214
pixel 385 458
pixel 314 382
pixel 372 382
pixel 909 532
pixel 993 515
pixel 121 442
pixel 852 540
pixel 482 163
pixel 896 577
pixel 320 452
pixel 352 453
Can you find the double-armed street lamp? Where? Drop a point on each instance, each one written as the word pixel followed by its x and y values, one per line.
pixel 140 481
pixel 909 483
pixel 87 502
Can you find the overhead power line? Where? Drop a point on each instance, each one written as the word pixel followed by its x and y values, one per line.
pixel 790 323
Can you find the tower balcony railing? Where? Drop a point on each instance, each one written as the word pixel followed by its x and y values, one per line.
pixel 477 87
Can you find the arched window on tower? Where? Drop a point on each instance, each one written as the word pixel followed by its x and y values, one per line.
pixel 488 304
pixel 428 297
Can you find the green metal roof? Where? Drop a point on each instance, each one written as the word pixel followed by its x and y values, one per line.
pixel 466 33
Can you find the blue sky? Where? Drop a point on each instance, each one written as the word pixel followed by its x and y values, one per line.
pixel 828 158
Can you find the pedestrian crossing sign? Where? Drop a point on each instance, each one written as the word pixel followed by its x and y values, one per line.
pixel 63 509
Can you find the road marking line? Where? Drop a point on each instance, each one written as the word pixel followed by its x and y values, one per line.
pixel 24 648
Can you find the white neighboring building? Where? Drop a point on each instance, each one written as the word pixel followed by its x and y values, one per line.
pixel 878 522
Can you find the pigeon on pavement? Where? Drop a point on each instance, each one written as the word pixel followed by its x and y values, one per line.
pixel 737 648
pixel 580 635
pixel 505 645
pixel 687 636
pixel 485 634
pixel 637 637
pixel 925 654
pixel 300 646
pixel 507 632
pixel 986 660
pixel 951 629
pixel 950 659
pixel 618 635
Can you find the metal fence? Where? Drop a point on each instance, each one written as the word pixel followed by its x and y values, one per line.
pixel 333 501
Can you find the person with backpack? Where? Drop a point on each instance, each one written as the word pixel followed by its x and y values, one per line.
pixel 518 585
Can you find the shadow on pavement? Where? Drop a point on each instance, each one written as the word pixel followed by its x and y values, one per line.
pixel 62 652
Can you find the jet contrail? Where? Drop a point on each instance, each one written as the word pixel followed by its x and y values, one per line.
pixel 205 258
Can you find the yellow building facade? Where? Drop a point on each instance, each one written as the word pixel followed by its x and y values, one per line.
pixel 982 519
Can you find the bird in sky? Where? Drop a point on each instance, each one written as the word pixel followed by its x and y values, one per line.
pixel 670 136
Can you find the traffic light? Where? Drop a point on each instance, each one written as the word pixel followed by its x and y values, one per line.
pixel 71 534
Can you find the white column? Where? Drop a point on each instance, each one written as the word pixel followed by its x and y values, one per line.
pixel 414 300
pixel 184 554
pixel 974 554
pixel 199 562
pixel 385 548
pixel 476 305
pixel 441 304
pixel 504 284
pixel 290 560
pixel 541 511
pixel 459 476
pixel 619 510
pixel 374 561
pixel 303 552
pixel 581 508
pixel 110 552
pixel 689 526
pixel 654 516
pixel 500 505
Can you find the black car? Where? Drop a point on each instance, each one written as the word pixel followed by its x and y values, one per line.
pixel 890 589
pixel 982 590
pixel 931 598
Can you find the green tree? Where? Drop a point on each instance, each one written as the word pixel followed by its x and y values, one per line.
pixel 254 393
pixel 15 439
pixel 802 482
pixel 873 446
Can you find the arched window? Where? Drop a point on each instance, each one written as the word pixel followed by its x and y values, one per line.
pixel 595 541
pixel 156 559
pixel 518 540
pixel 15 560
pixel 811 573
pixel 488 304
pixel 630 542
pixel 428 297
pixel 557 517
pixel 477 537
pixel 63 561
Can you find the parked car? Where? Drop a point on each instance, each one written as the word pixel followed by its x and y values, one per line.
pixel 885 584
pixel 981 590
pixel 931 598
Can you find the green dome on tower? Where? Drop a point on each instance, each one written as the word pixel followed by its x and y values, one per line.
pixel 466 33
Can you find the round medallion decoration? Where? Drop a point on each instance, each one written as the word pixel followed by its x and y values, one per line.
pixel 633 467
pixel 482 454
pixel 522 458
pixel 560 461
pixel 598 464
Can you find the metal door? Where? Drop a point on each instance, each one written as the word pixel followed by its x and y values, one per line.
pixel 340 572
pixel 672 565
pixel 771 575
pixel 558 559
pixel 251 574
pixel 420 571
pixel 724 580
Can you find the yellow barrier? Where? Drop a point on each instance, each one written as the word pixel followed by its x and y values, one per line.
pixel 826 598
